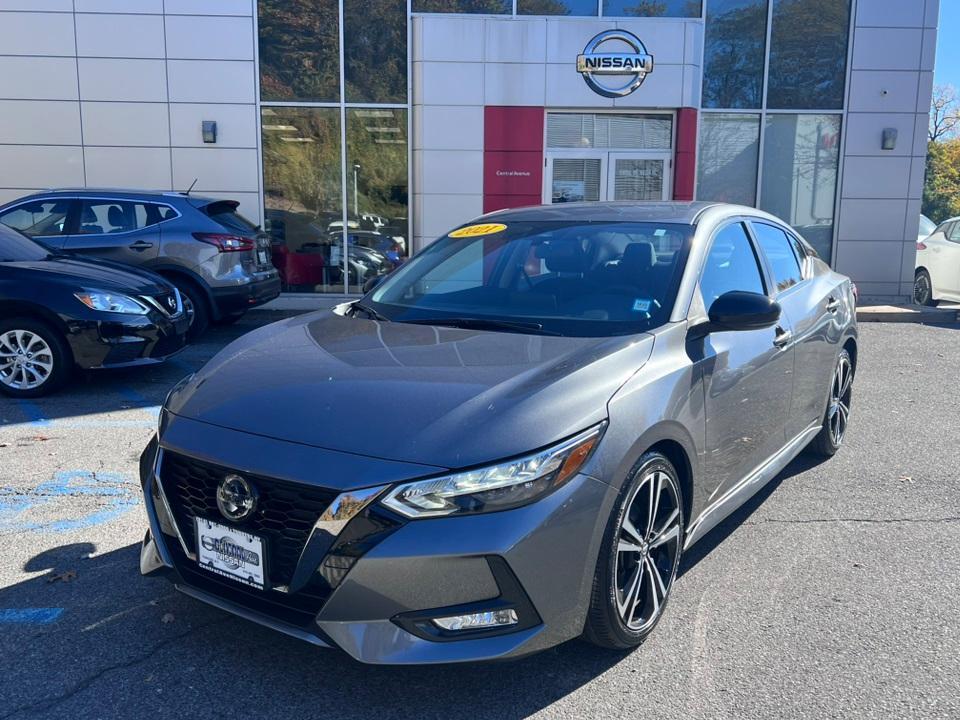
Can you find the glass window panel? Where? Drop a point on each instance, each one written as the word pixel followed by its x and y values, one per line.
pixel 779 251
pixel 375 50
pixel 302 194
pixel 733 54
pixel 729 151
pixel 626 132
pixel 377 192
pixel 808 54
pixel 486 7
pixel 42 218
pixel 557 7
pixel 652 8
pixel 801 154
pixel 575 180
pixel 299 50
pixel 731 266
pixel 637 179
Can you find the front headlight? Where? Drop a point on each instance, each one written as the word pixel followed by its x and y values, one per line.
pixel 497 487
pixel 112 302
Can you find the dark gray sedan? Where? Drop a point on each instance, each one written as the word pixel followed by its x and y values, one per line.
pixel 511 440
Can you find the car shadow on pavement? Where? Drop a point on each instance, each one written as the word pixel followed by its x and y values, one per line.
pixel 721 532
pixel 102 640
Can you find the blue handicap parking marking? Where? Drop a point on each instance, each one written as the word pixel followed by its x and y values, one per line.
pixel 29 616
pixel 118 495
pixel 32 412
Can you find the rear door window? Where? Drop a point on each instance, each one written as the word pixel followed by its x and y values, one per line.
pixel 42 218
pixel 780 251
pixel 106 217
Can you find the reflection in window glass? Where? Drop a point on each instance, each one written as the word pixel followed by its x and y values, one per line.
pixel 486 7
pixel 557 7
pixel 299 50
pixel 38 219
pixel 375 50
pixel 731 266
pixel 302 194
pixel 377 191
pixel 729 150
pixel 652 8
pixel 780 253
pixel 800 158
pixel 734 43
pixel 808 54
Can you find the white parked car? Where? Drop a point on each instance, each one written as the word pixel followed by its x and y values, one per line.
pixel 937 275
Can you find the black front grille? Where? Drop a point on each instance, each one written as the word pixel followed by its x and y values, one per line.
pixel 285 514
pixel 167 345
pixel 168 301
pixel 124 353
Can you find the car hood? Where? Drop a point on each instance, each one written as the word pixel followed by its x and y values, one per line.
pixel 84 274
pixel 437 396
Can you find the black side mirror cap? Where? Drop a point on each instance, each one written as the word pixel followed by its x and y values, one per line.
pixel 738 310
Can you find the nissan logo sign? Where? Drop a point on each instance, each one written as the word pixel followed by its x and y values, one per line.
pixel 236 498
pixel 595 65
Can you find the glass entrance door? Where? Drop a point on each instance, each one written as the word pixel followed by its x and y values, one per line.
pixel 573 176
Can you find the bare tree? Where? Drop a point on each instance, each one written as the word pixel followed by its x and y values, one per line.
pixel 944 112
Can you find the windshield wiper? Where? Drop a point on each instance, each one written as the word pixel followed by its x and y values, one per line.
pixel 371 313
pixel 534 328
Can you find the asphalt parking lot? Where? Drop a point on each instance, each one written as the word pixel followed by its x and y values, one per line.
pixel 834 593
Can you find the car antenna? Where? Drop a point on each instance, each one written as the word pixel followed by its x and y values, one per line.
pixel 191 186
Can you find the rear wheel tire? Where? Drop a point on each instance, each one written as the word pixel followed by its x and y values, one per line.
pixel 195 305
pixel 837 417
pixel 639 557
pixel 34 358
pixel 923 289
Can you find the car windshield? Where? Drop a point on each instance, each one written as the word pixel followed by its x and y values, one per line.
pixel 559 278
pixel 927 226
pixel 15 247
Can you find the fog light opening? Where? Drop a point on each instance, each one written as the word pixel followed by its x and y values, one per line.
pixel 478 621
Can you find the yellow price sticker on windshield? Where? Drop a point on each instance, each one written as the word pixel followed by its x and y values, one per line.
pixel 478 230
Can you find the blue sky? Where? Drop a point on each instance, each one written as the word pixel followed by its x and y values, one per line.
pixel 948 50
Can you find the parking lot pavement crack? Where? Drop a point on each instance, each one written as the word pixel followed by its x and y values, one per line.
pixel 50 703
pixel 866 521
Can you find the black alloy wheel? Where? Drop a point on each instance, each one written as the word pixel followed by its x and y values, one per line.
pixel 639 559
pixel 923 289
pixel 837 418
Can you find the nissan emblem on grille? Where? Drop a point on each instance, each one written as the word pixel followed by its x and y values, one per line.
pixel 635 63
pixel 236 498
pixel 171 302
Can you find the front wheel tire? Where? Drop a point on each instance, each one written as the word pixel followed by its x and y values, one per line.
pixel 639 557
pixel 35 359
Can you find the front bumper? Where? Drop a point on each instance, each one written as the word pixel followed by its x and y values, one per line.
pixel 233 299
pixel 114 340
pixel 539 559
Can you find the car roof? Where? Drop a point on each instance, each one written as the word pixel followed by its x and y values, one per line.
pixel 119 193
pixel 662 212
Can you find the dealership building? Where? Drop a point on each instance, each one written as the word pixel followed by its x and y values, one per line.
pixel 408 117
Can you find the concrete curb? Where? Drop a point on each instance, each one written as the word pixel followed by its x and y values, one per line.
pixel 908 314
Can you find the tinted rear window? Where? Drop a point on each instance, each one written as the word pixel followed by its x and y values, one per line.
pixel 225 213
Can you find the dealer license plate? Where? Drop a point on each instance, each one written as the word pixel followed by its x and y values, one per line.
pixel 230 552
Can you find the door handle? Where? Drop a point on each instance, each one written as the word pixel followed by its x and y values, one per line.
pixel 833 305
pixel 782 338
pixel 141 245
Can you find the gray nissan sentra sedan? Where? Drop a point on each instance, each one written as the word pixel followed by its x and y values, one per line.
pixel 510 440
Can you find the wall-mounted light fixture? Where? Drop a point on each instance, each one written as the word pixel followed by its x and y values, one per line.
pixel 889 139
pixel 209 131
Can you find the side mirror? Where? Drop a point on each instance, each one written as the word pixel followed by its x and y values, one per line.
pixel 738 310
pixel 371 283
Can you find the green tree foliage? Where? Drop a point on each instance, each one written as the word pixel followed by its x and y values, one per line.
pixel 299 50
pixel 733 57
pixel 491 7
pixel 941 192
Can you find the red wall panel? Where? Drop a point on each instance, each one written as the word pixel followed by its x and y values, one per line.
pixel 685 164
pixel 513 156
